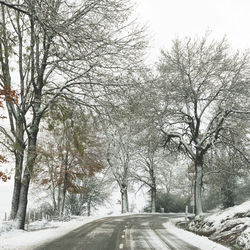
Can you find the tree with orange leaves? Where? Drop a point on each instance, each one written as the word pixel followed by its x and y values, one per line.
pixel 72 155
pixel 7 95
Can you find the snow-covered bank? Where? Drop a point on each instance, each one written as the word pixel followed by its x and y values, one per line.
pixel 27 240
pixel 191 238
pixel 40 233
pixel 230 226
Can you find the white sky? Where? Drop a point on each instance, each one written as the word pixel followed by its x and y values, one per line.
pixel 169 19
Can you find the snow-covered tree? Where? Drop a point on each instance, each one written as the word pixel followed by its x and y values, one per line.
pixel 202 86
pixel 62 48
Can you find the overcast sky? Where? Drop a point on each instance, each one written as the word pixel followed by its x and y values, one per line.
pixel 168 19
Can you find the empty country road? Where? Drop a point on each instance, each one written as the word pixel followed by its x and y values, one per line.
pixel 133 232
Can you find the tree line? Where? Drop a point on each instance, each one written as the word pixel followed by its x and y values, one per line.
pixel 86 108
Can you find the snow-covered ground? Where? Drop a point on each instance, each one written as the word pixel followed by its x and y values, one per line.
pixel 230 226
pixel 44 231
pixel 201 242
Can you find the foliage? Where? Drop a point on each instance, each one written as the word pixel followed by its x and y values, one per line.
pixel 172 203
pixel 203 90
pixel 9 96
pixel 72 155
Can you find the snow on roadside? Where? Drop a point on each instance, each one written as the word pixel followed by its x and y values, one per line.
pixel 201 242
pixel 244 239
pixel 230 226
pixel 27 240
pixel 229 213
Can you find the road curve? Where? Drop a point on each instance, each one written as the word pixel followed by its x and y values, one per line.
pixel 133 232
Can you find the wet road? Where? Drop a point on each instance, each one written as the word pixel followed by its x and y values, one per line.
pixel 135 232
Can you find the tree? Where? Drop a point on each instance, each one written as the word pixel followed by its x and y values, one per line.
pixel 75 50
pixel 202 86
pixel 72 156
pixel 147 166
pixel 96 193
pixel 228 164
pixel 119 156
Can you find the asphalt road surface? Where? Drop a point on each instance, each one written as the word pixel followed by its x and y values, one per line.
pixel 135 232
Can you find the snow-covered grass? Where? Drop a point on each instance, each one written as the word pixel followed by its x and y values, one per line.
pixel 191 238
pixel 40 232
pixel 230 226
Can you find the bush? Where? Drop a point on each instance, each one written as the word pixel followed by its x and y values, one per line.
pixel 170 202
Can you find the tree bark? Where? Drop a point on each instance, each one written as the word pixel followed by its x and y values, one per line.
pixel 198 186
pixel 63 201
pixel 89 207
pixel 17 187
pixel 65 180
pixel 124 199
pixel 59 200
pixel 54 200
pixel 19 155
pixel 31 157
pixel 153 199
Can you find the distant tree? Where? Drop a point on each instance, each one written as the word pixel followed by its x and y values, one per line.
pixel 73 154
pixel 202 87
pixel 228 164
pixel 147 165
pixel 119 156
pixel 97 191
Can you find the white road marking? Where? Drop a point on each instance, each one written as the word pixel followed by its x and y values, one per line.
pixel 121 246
pixel 123 236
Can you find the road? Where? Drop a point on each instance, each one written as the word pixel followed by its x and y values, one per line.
pixel 135 232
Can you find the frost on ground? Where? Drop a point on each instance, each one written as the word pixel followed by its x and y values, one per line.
pixel 230 227
pixel 200 242
pixel 39 232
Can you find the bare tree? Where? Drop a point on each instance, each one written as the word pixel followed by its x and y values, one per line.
pixel 75 50
pixel 202 86
pixel 148 162
pixel 119 156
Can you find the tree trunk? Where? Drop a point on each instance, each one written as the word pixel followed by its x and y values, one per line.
pixel 89 207
pixel 17 184
pixel 19 155
pixel 59 198
pixel 227 190
pixel 63 201
pixel 124 198
pixel 65 180
pixel 126 201
pixel 31 157
pixel 198 187
pixel 23 200
pixel 153 199
pixel 54 200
